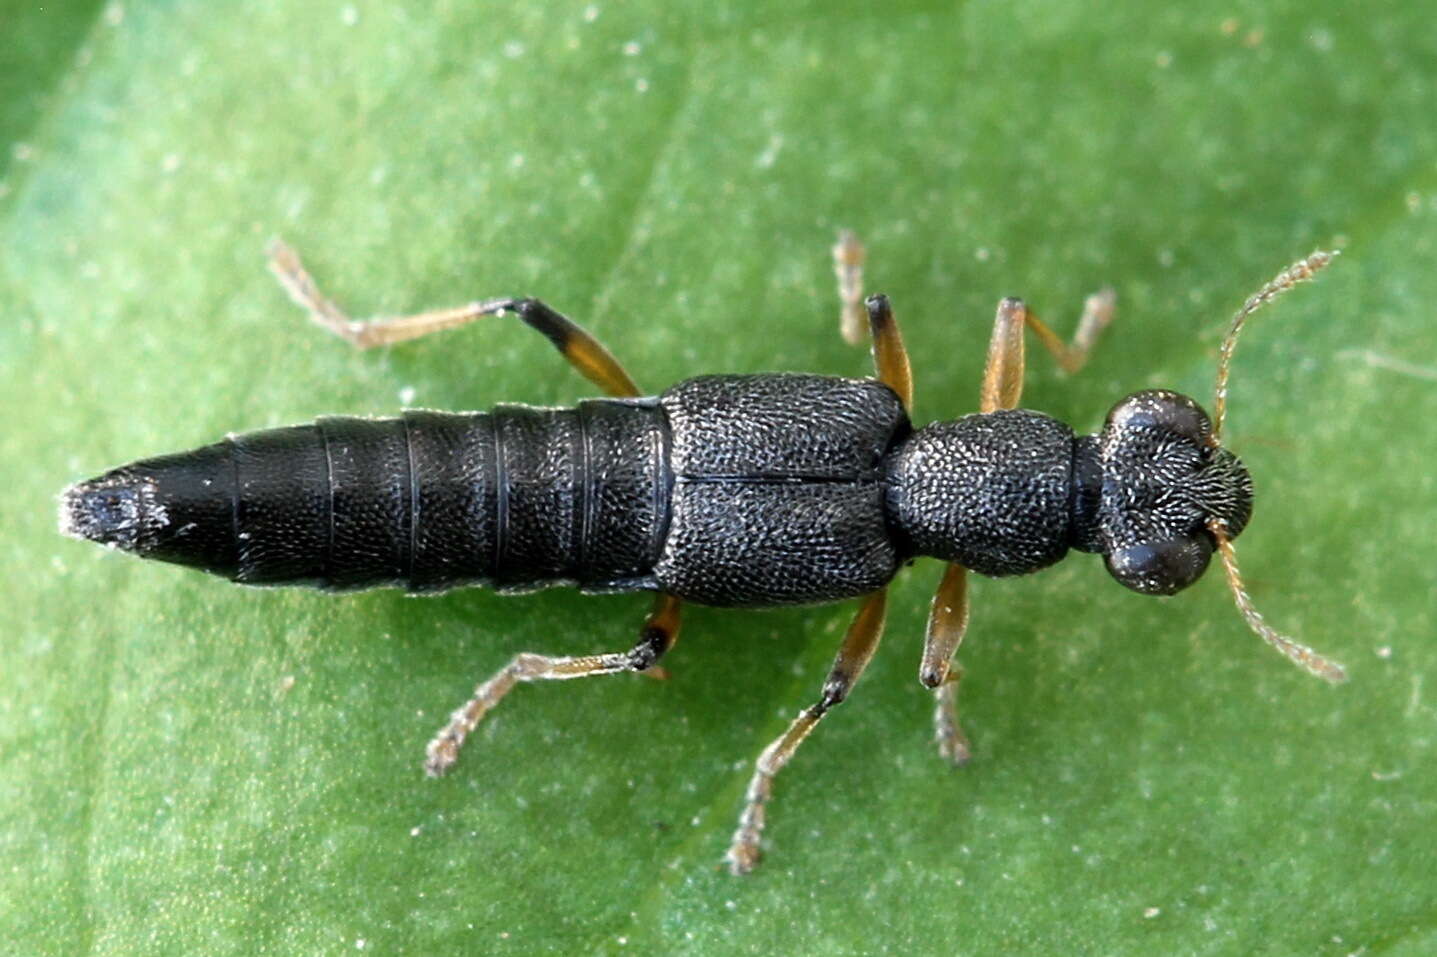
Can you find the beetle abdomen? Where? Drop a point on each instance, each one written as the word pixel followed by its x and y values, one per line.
pixel 518 498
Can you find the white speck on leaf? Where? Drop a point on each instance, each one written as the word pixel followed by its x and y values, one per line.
pixel 769 156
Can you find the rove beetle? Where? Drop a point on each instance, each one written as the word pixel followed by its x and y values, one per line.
pixel 729 490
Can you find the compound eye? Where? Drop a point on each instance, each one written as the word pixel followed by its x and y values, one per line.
pixel 1161 568
pixel 1161 409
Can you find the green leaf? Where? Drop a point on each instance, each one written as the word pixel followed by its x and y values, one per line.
pixel 191 767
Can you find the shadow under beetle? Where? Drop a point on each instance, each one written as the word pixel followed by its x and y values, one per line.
pixel 730 490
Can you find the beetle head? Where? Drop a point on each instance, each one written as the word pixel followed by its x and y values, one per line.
pixel 1168 493
pixel 1165 481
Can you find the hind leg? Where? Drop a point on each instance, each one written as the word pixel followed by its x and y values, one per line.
pixel 584 352
pixel 658 635
pixel 595 363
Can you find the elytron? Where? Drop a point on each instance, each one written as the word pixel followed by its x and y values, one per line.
pixel 728 490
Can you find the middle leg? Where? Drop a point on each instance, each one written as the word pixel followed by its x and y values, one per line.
pixel 890 357
pixel 853 656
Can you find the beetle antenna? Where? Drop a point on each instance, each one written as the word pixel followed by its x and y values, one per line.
pixel 1300 271
pixel 1301 655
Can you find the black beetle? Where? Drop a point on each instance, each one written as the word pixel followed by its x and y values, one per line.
pixel 730 490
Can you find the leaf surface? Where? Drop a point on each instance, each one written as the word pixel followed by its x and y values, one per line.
pixel 191 767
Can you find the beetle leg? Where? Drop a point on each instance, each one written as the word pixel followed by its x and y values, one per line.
pixel 658 635
pixel 1003 374
pixel 848 256
pixel 890 358
pixel 1097 313
pixel 853 656
pixel 947 621
pixel 584 352
pixel 595 363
